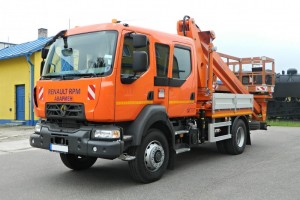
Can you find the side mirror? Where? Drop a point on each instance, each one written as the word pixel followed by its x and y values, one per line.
pixel 140 61
pixel 44 53
pixel 139 40
pixel 67 52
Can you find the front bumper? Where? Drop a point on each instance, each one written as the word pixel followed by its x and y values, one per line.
pixel 78 143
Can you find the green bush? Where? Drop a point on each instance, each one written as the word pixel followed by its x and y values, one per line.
pixel 281 122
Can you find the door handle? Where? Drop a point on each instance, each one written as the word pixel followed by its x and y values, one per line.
pixel 150 95
pixel 192 97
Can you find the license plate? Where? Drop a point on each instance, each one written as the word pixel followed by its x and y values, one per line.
pixel 59 148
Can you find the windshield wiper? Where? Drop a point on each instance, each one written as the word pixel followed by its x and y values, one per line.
pixel 52 76
pixel 87 75
pixel 71 76
pixel 60 76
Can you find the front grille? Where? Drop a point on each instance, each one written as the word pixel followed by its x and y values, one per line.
pixel 65 111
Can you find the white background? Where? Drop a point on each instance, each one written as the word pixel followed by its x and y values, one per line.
pixel 243 28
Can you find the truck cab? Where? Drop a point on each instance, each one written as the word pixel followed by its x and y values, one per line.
pixel 98 70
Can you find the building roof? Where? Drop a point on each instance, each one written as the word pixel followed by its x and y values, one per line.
pixel 23 49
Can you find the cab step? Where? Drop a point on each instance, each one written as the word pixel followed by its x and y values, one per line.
pixel 182 150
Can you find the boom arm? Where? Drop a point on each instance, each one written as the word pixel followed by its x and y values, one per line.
pixel 210 63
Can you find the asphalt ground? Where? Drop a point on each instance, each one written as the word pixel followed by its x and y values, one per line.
pixel 268 169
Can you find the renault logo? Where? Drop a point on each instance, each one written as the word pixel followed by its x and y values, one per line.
pixel 63 110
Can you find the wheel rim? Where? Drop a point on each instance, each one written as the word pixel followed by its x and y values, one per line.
pixel 240 137
pixel 154 156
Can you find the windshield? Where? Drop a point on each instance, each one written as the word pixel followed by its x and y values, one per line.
pixel 90 54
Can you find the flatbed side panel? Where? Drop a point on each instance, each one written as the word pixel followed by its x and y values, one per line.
pixel 224 101
pixel 228 105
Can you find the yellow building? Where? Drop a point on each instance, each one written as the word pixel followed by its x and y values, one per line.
pixel 19 70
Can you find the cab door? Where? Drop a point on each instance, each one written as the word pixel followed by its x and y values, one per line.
pixel 182 82
pixel 134 90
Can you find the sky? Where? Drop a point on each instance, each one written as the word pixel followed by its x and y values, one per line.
pixel 243 28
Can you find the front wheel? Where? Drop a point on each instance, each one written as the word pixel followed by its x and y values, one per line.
pixel 76 162
pixel 152 157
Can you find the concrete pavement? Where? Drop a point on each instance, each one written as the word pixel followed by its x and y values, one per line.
pixel 15 138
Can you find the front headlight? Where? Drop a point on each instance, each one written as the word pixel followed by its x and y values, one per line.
pixel 106 134
pixel 37 128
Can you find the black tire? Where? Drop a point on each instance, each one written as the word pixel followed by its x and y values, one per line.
pixel 237 143
pixel 152 157
pixel 76 162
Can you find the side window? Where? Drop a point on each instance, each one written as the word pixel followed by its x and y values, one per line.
pixel 127 56
pixel 181 63
pixel 162 59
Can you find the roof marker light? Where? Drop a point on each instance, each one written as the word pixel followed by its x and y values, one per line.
pixel 115 21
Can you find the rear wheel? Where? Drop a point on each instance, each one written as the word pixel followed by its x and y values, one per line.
pixel 76 162
pixel 237 143
pixel 152 157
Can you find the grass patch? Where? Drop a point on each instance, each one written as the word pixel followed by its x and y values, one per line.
pixel 278 122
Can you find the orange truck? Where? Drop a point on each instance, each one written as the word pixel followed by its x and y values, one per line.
pixel 118 91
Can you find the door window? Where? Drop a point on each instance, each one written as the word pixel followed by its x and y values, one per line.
pixel 127 56
pixel 181 63
pixel 162 59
